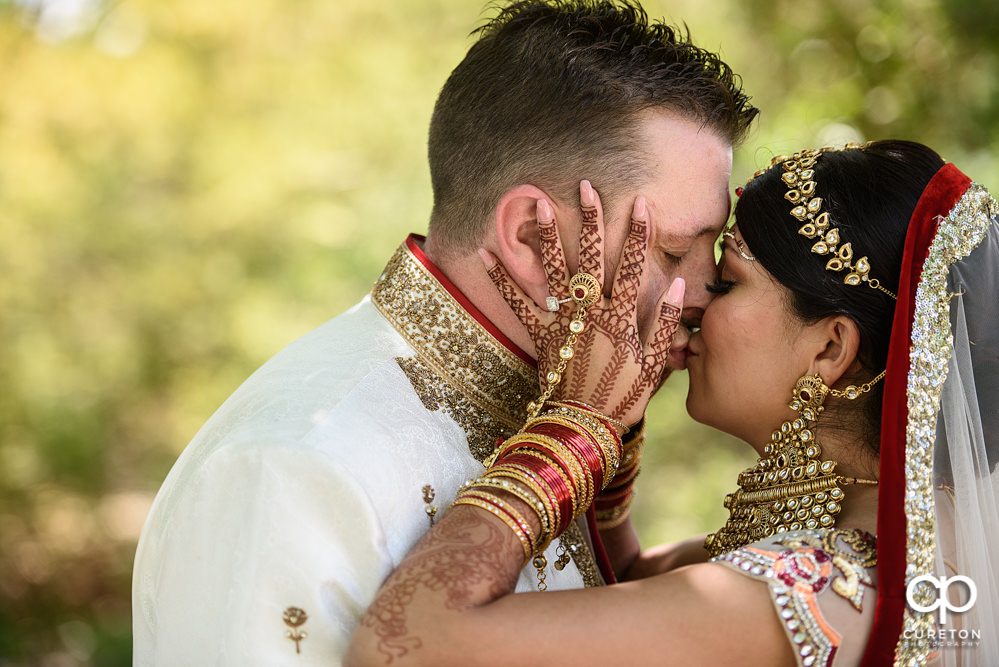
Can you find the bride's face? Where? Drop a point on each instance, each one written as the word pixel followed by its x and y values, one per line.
pixel 749 352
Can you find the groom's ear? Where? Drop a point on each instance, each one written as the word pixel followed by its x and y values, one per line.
pixel 839 342
pixel 518 239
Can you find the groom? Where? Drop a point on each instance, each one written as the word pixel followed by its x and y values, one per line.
pixel 279 521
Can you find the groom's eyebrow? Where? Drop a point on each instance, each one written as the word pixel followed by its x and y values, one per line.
pixel 673 238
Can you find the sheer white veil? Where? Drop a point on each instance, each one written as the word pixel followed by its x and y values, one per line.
pixel 938 514
pixel 967 453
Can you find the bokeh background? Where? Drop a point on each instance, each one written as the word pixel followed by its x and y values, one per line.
pixel 187 186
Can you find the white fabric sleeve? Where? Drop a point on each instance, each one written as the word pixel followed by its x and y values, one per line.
pixel 261 527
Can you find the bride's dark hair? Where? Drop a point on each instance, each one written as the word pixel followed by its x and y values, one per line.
pixel 870 194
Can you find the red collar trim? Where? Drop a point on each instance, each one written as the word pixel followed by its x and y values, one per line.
pixel 413 244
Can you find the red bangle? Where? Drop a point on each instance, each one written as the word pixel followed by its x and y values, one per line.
pixel 561 493
pixel 583 447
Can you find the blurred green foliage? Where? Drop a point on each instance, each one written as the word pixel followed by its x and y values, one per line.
pixel 185 187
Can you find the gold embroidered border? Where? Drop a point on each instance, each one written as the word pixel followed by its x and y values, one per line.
pixel 482 432
pixel 930 352
pixel 582 556
pixel 436 394
pixel 451 343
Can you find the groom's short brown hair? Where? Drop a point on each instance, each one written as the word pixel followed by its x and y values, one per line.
pixel 551 92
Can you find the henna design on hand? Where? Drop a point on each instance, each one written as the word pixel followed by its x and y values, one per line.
pixel 615 367
pixel 620 322
pixel 553 259
pixel 466 557
pixel 589 243
pixel 548 335
pixel 654 366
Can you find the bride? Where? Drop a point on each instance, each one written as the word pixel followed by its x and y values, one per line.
pixel 853 342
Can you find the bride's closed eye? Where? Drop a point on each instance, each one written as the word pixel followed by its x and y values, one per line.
pixel 720 286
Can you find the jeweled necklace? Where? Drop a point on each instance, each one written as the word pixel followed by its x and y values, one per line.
pixel 789 488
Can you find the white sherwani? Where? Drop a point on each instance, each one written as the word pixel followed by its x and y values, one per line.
pixel 315 478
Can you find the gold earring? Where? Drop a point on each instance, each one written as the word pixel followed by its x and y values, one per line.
pixel 789 488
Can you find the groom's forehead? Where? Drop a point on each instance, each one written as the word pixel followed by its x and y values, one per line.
pixel 679 234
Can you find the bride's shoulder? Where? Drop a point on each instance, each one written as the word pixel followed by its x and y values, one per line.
pixel 818 580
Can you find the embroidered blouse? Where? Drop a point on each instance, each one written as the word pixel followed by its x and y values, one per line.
pixel 801 568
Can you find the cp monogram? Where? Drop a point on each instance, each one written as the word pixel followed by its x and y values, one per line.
pixel 943 601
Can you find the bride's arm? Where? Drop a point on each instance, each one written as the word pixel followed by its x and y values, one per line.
pixel 448 603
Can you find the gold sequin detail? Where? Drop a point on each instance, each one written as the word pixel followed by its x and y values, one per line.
pixel 460 367
pixel 435 393
pixel 929 355
pixel 582 556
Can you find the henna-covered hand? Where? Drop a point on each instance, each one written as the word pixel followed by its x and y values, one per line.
pixel 614 367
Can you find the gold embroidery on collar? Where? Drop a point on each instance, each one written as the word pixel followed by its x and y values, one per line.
pixel 436 393
pixel 486 375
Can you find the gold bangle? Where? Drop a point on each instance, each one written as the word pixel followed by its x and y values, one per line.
pixel 622 429
pixel 523 473
pixel 498 502
pixel 573 500
pixel 608 442
pixel 516 490
pixel 521 480
pixel 604 442
pixel 499 514
pixel 615 520
pixel 580 470
pixel 556 450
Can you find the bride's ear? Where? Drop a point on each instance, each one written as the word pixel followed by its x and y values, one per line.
pixel 839 342
pixel 518 240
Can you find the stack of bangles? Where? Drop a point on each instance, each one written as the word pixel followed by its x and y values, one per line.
pixel 613 505
pixel 556 464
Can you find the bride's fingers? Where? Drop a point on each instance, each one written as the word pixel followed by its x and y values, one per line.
pixel 519 302
pixel 658 349
pixel 624 294
pixel 591 235
pixel 552 256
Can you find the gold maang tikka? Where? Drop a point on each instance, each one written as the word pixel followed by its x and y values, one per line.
pixel 789 488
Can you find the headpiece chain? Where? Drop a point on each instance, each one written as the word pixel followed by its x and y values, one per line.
pixel 798 175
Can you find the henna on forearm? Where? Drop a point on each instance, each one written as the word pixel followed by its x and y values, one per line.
pixel 468 558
